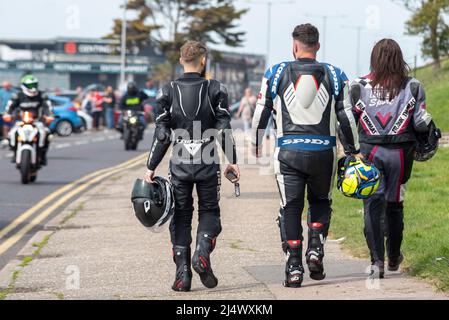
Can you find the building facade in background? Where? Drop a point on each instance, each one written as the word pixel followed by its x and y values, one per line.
pixel 238 72
pixel 68 63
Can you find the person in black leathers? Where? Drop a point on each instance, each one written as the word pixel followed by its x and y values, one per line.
pixel 133 100
pixel 193 113
pixel 307 98
pixel 30 98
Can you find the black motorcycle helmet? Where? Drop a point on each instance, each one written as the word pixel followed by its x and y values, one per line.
pixel 153 203
pixel 427 143
pixel 132 88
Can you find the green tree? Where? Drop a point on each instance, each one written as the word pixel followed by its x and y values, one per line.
pixel 428 21
pixel 138 32
pixel 169 23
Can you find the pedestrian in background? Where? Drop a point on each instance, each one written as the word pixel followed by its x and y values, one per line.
pixel 97 109
pixel 246 109
pixel 109 102
pixel 86 105
pixel 79 97
pixel 5 95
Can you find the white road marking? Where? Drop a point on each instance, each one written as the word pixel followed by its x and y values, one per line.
pixel 89 140
pixel 62 145
pixel 57 146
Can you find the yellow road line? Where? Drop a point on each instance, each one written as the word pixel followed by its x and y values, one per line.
pixel 28 213
pixel 44 214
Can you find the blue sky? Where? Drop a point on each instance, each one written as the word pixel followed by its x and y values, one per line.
pixel 381 18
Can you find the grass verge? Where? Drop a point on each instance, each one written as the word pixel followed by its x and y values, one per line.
pixel 436 85
pixel 426 237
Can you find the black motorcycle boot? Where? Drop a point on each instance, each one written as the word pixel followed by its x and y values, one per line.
pixel 315 251
pixel 377 269
pixel 205 244
pixel 294 271
pixel 43 156
pixel 394 263
pixel 183 280
pixel 394 232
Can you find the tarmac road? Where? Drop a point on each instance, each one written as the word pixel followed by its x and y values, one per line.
pixel 68 160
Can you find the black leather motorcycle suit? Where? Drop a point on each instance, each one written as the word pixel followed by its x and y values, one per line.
pixel 387 136
pixel 193 114
pixel 307 99
pixel 39 106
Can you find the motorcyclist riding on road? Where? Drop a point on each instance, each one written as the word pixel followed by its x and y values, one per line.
pixel 31 99
pixel 133 100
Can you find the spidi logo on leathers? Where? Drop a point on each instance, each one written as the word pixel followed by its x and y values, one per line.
pixel 276 78
pixel 335 79
pixel 307 142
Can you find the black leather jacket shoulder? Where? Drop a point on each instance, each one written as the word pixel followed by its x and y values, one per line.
pixel 191 105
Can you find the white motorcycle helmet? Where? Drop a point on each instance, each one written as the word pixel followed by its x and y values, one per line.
pixel 30 85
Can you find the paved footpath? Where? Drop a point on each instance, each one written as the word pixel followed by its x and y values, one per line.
pixel 96 249
pixel 445 140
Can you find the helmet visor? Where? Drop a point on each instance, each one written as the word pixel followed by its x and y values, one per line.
pixel 30 85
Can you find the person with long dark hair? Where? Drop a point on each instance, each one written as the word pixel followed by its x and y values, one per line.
pixel 390 108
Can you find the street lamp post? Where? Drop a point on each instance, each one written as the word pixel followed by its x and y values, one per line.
pixel 324 37
pixel 325 19
pixel 358 30
pixel 269 5
pixel 123 45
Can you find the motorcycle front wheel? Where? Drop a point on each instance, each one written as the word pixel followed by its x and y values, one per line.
pixel 25 167
pixel 126 136
pixel 33 177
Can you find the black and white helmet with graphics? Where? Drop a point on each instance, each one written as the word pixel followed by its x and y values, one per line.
pixel 427 143
pixel 153 203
